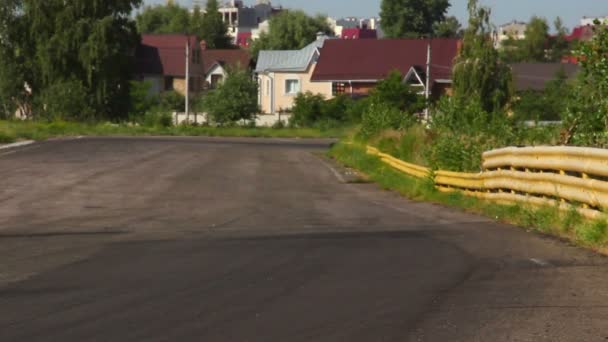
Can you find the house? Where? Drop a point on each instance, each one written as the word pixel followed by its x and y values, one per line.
pixel 354 67
pixel 359 33
pixel 161 61
pixel 284 74
pixel 534 76
pixel 242 20
pixel 590 21
pixel 216 63
pixel 512 30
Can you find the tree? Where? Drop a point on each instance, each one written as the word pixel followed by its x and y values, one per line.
pixel 448 28
pixel 85 44
pixel 411 18
pixel 234 100
pixel 290 30
pixel 212 28
pixel 171 18
pixel 393 92
pixel 535 43
pixel 479 75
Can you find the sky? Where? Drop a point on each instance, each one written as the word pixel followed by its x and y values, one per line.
pixel 503 11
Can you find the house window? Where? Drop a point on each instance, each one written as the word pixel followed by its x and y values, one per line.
pixel 168 83
pixel 292 87
pixel 338 88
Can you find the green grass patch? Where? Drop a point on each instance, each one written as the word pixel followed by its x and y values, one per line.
pixel 548 220
pixel 27 130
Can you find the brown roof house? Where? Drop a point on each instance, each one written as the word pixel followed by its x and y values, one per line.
pixel 161 60
pixel 534 76
pixel 355 66
pixel 216 63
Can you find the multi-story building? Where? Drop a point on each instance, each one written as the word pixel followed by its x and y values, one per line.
pixel 242 20
pixel 512 30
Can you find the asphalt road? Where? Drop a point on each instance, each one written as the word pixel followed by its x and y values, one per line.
pixel 192 239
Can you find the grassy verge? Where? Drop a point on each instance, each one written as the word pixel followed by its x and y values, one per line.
pixel 548 220
pixel 11 131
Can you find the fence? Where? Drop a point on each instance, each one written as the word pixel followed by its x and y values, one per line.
pixel 565 177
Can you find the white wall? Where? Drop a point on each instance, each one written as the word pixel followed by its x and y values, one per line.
pixel 262 120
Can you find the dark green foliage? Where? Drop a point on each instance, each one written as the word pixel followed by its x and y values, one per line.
pixel 560 46
pixel 586 118
pixel 393 92
pixel 234 100
pixel 412 18
pixel 448 28
pixel 170 18
pixel 382 116
pixel 64 101
pixel 530 49
pixel 479 75
pixel 290 30
pixel 548 105
pixel 141 100
pixel 88 44
pixel 312 110
pixel 212 29
pixel 172 101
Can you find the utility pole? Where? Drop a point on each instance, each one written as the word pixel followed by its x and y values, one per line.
pixel 427 90
pixel 188 79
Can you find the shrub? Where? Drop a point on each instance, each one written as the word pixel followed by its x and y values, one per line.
pixel 379 117
pixel 234 100
pixel 394 93
pixel 313 110
pixel 64 100
pixel 141 100
pixel 173 101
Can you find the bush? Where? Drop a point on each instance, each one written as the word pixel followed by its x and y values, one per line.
pixel 65 100
pixel 379 117
pixel 394 93
pixel 312 110
pixel 234 100
pixel 141 100
pixel 172 101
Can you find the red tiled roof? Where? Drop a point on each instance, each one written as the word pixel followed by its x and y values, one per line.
pixel 583 33
pixel 359 33
pixel 165 54
pixel 243 39
pixel 231 58
pixel 374 59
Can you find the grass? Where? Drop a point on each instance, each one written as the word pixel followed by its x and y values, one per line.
pixel 11 131
pixel 547 220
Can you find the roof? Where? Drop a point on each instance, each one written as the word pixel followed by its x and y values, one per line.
pixel 165 54
pixel 583 33
pixel 230 58
pixel 534 76
pixel 374 59
pixel 288 60
pixel 359 33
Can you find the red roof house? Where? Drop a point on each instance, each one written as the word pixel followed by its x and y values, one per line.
pixel 359 33
pixel 216 63
pixel 161 60
pixel 355 66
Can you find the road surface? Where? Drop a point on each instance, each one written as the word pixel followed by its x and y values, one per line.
pixel 198 239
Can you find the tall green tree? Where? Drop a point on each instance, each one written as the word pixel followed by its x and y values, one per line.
pixel 291 30
pixel 212 28
pixel 88 44
pixel 448 28
pixel 535 43
pixel 170 18
pixel 479 75
pixel 12 90
pixel 411 18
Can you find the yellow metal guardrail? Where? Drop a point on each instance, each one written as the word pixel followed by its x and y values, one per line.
pixel 566 177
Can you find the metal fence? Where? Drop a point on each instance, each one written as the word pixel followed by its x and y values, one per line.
pixel 565 177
